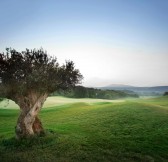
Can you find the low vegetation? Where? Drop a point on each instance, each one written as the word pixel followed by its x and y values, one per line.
pixel 134 130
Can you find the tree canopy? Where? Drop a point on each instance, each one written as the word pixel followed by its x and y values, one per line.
pixel 34 70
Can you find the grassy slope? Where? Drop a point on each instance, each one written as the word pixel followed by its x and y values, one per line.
pixel 56 101
pixel 126 131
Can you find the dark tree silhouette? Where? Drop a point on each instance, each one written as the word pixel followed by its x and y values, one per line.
pixel 27 78
pixel 165 94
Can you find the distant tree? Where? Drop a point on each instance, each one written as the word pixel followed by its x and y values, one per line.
pixel 27 78
pixel 165 94
pixel 80 92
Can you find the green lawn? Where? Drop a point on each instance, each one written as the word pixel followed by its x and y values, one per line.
pixel 57 101
pixel 91 130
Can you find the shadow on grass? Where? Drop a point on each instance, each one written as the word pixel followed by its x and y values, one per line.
pixel 28 143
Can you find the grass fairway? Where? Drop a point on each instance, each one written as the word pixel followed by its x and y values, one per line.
pixel 90 131
pixel 57 101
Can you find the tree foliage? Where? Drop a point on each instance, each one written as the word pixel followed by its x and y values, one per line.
pixel 34 70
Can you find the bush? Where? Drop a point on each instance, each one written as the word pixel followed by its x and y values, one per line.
pixel 165 94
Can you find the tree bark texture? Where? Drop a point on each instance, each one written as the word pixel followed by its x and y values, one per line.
pixel 28 123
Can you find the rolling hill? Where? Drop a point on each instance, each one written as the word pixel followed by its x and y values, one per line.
pixel 134 130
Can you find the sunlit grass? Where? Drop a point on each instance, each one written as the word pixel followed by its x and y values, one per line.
pixel 56 101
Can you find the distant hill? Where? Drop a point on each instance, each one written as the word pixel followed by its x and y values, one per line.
pixel 142 91
pixel 119 85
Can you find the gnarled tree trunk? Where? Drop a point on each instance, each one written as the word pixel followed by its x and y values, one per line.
pixel 28 123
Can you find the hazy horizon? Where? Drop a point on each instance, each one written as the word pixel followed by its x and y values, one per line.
pixel 110 41
pixel 122 85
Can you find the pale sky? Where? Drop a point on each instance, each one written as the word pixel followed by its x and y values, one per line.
pixel 110 41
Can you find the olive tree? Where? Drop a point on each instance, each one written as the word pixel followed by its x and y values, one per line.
pixel 27 78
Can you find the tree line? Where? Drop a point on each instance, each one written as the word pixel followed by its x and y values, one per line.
pixel 84 92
